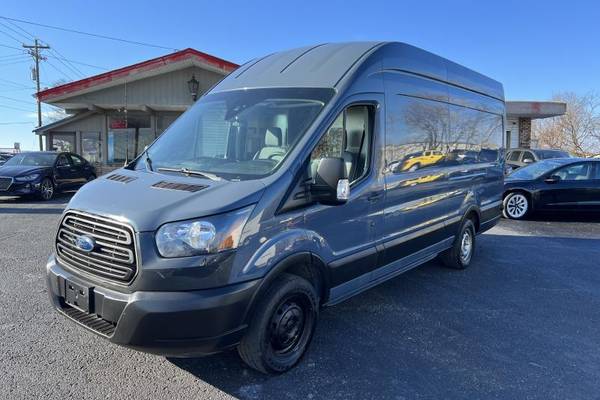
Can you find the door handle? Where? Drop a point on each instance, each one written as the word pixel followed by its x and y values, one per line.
pixel 375 196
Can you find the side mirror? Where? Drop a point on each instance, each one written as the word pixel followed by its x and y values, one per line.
pixel 552 179
pixel 528 161
pixel 331 186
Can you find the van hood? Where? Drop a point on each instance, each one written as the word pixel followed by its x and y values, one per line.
pixel 147 200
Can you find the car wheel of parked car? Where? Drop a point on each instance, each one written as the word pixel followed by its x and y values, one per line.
pixel 515 206
pixel 460 254
pixel 282 326
pixel 46 189
pixel 91 178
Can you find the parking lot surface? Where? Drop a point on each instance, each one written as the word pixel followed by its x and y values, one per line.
pixel 522 322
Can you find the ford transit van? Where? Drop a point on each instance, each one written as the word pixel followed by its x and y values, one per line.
pixel 301 179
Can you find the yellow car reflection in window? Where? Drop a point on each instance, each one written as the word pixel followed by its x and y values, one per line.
pixel 419 160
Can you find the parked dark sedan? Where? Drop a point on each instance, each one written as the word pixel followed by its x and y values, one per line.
pixel 561 184
pixel 43 173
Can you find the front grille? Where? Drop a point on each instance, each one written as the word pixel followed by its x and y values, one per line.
pixel 92 321
pixel 113 255
pixel 5 183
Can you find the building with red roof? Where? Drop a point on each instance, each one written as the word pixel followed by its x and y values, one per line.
pixel 112 116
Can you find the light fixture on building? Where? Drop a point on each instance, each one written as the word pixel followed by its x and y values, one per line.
pixel 193 86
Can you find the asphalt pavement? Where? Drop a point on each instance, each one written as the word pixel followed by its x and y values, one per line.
pixel 523 322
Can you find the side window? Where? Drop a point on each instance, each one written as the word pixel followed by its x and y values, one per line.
pixel 576 172
pixel 597 169
pixel 514 156
pixel 62 161
pixel 76 160
pixel 424 133
pixel 527 155
pixel 349 138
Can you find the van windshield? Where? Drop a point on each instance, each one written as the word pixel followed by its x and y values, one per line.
pixel 240 134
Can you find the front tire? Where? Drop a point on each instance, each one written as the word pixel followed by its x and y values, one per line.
pixel 46 189
pixel 459 256
pixel 282 326
pixel 515 206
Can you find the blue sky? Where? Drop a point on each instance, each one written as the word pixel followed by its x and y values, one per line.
pixel 536 48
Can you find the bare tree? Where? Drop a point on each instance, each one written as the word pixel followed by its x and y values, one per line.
pixel 578 131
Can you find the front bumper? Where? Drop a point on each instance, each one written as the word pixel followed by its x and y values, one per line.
pixel 21 189
pixel 175 324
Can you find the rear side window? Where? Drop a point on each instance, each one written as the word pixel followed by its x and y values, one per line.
pixel 528 155
pixel 76 160
pixel 424 134
pixel 575 172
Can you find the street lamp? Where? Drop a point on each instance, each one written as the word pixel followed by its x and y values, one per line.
pixel 193 86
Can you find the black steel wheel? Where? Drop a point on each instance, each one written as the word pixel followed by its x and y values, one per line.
pixel 282 327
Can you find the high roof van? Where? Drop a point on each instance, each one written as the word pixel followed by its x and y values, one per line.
pixel 301 179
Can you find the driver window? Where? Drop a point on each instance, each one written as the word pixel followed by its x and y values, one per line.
pixel 577 172
pixel 62 161
pixel 348 138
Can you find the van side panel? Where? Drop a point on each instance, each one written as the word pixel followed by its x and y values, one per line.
pixel 443 158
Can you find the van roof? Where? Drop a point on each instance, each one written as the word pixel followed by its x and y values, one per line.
pixel 331 64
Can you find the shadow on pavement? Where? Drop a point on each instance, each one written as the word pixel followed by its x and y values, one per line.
pixel 32 205
pixel 564 216
pixel 437 333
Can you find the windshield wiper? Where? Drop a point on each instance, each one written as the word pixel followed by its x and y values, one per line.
pixel 189 172
pixel 148 161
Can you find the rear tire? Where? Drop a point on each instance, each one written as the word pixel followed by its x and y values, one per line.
pixel 282 327
pixel 459 256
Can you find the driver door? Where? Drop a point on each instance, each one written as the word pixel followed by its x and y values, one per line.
pixel 573 190
pixel 64 171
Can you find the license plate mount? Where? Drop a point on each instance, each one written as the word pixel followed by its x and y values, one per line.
pixel 78 296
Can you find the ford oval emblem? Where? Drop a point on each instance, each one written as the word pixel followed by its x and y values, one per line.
pixel 84 243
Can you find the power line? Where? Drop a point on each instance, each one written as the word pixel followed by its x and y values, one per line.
pixel 17 123
pixel 69 77
pixel 9 47
pixel 14 108
pixel 11 36
pixel 15 83
pixel 18 100
pixel 88 33
pixel 27 35
pixel 13 62
pixel 81 63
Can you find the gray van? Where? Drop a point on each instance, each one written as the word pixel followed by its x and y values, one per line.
pixel 303 178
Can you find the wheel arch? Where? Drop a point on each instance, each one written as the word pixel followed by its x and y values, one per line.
pixel 304 264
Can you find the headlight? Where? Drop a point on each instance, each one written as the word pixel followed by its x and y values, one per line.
pixel 202 236
pixel 27 178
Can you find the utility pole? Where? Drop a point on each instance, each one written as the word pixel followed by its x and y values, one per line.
pixel 34 50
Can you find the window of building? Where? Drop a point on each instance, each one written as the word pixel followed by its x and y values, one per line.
pixel 90 146
pixel 164 120
pixel 128 135
pixel 63 141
